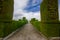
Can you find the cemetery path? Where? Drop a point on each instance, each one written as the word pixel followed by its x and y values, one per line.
pixel 28 32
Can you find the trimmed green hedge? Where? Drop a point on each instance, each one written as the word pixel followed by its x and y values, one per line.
pixel 48 29
pixel 6 14
pixel 6 28
pixel 49 11
pixel 1 29
pixel 36 24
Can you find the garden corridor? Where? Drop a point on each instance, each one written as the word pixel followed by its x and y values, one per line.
pixel 27 32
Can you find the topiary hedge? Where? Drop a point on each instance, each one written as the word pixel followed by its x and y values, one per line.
pixel 49 11
pixel 49 18
pixel 48 29
pixel 6 14
pixel 6 29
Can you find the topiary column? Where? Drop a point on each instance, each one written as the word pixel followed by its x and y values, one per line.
pixel 6 14
pixel 49 11
pixel 49 18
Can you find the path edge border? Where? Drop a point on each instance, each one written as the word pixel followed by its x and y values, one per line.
pixel 50 38
pixel 41 33
pixel 5 38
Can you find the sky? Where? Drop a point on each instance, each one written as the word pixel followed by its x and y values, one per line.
pixel 28 8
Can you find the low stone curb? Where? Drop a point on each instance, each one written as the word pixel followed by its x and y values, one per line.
pixel 50 38
pixel 1 38
pixel 54 38
pixel 11 34
pixel 41 33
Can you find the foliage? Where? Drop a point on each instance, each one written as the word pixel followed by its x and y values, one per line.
pixel 49 24
pixel 6 14
pixel 36 23
pixel 7 28
pixel 48 29
pixel 49 11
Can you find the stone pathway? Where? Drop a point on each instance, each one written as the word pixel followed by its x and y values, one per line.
pixel 28 32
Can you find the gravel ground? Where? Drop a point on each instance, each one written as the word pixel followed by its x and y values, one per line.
pixel 28 32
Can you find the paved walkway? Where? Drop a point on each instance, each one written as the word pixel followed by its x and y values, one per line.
pixel 28 32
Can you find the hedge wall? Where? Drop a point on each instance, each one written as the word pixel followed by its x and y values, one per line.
pixel 49 18
pixel 47 29
pixel 6 14
pixel 49 11
pixel 50 29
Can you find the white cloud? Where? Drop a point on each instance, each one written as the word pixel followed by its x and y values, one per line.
pixel 19 4
pixel 19 12
pixel 59 11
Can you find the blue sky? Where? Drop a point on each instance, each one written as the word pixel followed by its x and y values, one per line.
pixel 59 1
pixel 27 8
pixel 33 5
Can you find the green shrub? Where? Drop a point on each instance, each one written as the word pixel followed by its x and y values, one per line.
pixel 48 29
pixel 8 27
pixel 6 14
pixel 1 29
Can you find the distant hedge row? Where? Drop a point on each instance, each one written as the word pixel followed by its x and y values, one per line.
pixel 6 28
